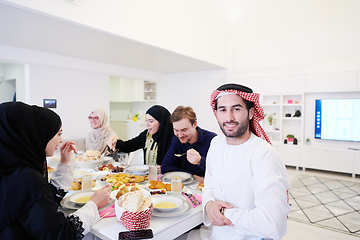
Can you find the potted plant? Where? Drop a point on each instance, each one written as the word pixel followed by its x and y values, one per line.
pixel 271 119
pixel 290 137
pixel 135 118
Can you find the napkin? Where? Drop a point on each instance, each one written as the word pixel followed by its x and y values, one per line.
pixel 159 176
pixel 198 197
pixel 108 210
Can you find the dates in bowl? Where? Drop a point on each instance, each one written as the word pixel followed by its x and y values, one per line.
pixel 111 168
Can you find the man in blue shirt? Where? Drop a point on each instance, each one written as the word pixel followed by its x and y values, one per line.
pixel 189 140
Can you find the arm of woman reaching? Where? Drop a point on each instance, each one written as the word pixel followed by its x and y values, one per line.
pixel 89 213
pixel 63 176
pixel 42 220
pixel 129 145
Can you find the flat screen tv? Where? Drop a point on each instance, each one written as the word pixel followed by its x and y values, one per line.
pixel 337 119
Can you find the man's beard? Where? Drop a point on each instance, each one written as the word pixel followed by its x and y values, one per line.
pixel 241 130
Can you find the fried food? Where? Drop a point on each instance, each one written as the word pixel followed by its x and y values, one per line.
pixel 50 169
pixel 200 186
pixel 76 184
pixel 160 185
pixel 122 178
pixel 121 192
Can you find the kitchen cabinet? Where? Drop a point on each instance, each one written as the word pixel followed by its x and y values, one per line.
pixel 126 89
pixel 149 91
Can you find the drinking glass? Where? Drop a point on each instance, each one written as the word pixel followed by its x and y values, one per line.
pixel 86 181
pixel 176 184
pixel 153 172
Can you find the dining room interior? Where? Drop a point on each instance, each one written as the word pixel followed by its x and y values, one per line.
pixel 126 57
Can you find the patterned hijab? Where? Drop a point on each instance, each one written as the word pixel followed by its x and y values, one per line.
pixel 247 94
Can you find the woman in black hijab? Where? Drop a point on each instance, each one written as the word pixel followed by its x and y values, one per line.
pixel 154 141
pixel 28 202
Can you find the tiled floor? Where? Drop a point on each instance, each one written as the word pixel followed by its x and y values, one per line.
pixel 323 206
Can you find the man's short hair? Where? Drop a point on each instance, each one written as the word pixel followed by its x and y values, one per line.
pixel 241 88
pixel 183 112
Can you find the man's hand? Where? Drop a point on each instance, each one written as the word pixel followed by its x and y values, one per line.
pixel 111 142
pixel 66 151
pixel 213 211
pixel 193 156
pixel 198 178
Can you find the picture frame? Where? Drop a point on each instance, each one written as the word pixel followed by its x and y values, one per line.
pixel 50 103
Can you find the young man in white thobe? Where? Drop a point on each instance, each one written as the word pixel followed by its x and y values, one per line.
pixel 245 193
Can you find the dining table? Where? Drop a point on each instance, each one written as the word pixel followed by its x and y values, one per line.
pixel 164 226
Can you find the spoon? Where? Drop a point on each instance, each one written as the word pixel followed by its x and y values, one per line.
pixel 179 155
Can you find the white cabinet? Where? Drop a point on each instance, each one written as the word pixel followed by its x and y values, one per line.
pixel 357 163
pixel 279 106
pixel 328 159
pixel 126 89
pixel 290 154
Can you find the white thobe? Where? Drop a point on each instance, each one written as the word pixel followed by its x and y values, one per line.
pixel 252 178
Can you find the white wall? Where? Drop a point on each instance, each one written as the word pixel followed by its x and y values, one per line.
pixel 293 37
pixel 77 94
pixel 194 90
pixel 17 72
pixel 193 28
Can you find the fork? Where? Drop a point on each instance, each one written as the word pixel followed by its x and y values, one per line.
pixel 104 215
pixel 179 155
pixel 189 192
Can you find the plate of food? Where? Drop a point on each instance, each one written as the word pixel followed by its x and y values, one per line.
pixel 160 185
pixel 81 198
pixel 66 203
pixel 76 184
pixel 186 178
pixel 122 178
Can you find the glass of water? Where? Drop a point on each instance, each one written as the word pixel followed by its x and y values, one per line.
pixel 86 181
pixel 176 184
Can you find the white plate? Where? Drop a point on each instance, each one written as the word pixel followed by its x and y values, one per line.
pixel 137 173
pixel 66 203
pixel 184 208
pixel 173 199
pixel 136 169
pixel 186 178
pixel 78 195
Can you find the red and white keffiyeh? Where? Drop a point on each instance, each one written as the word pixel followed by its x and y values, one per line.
pixel 255 126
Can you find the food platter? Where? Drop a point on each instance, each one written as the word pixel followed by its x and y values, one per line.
pixel 186 178
pixel 66 203
pixel 184 208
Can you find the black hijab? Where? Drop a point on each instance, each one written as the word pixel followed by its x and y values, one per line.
pixel 24 133
pixel 165 133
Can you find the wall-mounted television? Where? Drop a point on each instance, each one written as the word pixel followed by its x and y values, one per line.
pixel 337 119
